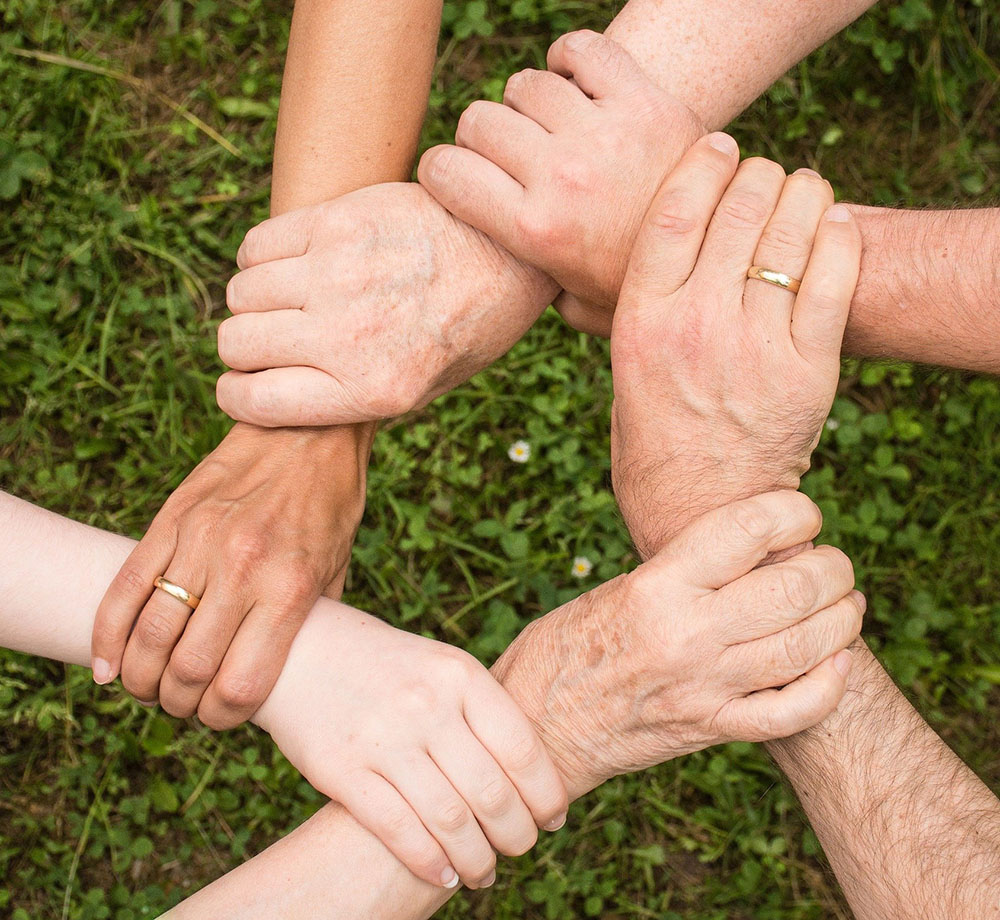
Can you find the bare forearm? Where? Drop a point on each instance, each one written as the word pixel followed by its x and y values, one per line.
pixel 353 97
pixel 718 57
pixel 910 831
pixel 929 288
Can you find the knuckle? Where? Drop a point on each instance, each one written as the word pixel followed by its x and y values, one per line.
pixel 250 249
pixel 798 649
pixel 536 228
pixel 241 691
pixel 246 546
pixel 133 581
pixel 469 119
pixel 671 216
pixel 193 668
pixel 742 209
pixel 519 84
pixel 751 520
pixel 453 816
pixel 798 588
pixel 301 586
pixel 496 798
pixel 524 751
pixel 155 630
pixel 396 824
pixel 786 236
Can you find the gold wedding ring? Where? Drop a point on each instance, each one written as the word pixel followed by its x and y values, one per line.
pixel 183 595
pixel 759 273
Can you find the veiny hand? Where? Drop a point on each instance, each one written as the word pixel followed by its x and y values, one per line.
pixel 693 648
pixel 722 384
pixel 417 741
pixel 259 530
pixel 366 307
pixel 562 173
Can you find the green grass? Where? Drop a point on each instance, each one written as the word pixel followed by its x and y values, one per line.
pixel 121 220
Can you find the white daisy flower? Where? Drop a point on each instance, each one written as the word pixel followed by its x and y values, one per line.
pixel 832 424
pixel 582 567
pixel 520 452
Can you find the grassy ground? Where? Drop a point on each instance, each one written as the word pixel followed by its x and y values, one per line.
pixel 134 149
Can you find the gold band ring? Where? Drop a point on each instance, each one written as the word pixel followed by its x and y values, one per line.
pixel 183 595
pixel 759 273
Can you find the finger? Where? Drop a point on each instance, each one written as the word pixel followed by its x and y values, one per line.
pixel 476 191
pixel 583 316
pixel 780 658
pixel 667 247
pixel 505 731
pixel 494 801
pixel 770 714
pixel 377 805
pixel 159 626
pixel 258 341
pixel 772 598
pixel 253 662
pixel 819 317
pixel 737 225
pixel 730 541
pixel 507 138
pixel 283 237
pixel 448 818
pixel 546 98
pixel 287 397
pixel 785 246
pixel 597 64
pixel 278 285
pixel 198 654
pixel 125 598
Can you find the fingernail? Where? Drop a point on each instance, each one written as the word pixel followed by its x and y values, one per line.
pixel 861 601
pixel 555 823
pixel 723 143
pixel 102 671
pixel 449 878
pixel 842 662
pixel 806 171
pixel 838 214
pixel 149 704
pixel 489 880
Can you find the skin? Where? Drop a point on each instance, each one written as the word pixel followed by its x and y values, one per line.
pixel 910 831
pixel 909 828
pixel 411 335
pixel 265 524
pixel 686 651
pixel 563 181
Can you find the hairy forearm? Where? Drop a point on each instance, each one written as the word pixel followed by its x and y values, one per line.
pixel 353 97
pixel 929 288
pixel 910 831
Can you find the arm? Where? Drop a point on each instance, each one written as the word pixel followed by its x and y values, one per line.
pixel 685 652
pixel 282 506
pixel 562 200
pixel 910 831
pixel 400 302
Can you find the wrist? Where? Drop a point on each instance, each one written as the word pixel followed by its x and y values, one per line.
pixel 866 708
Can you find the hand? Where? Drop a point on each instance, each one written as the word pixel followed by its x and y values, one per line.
pixel 367 307
pixel 259 530
pixel 722 384
pixel 691 648
pixel 563 172
pixel 417 741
